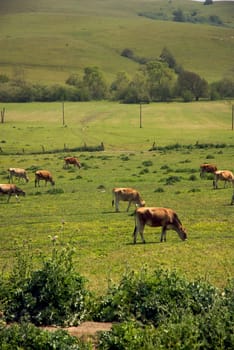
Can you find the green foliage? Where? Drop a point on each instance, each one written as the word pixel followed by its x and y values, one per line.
pixel 26 336
pixel 154 298
pixel 53 294
pixel 164 311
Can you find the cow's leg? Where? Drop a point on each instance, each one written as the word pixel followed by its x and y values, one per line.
pixel 142 234
pixel 9 197
pixel 116 204
pixel 215 184
pixel 129 203
pixel 135 232
pixel 163 234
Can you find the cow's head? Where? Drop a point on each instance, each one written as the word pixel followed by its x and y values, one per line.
pixel 20 192
pixel 182 233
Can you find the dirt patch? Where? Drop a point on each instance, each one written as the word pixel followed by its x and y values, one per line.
pixel 86 331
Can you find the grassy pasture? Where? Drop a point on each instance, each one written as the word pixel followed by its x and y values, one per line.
pixel 47 42
pixel 82 198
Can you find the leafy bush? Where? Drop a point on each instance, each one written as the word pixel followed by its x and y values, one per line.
pixel 163 311
pixel 154 298
pixel 27 336
pixel 54 294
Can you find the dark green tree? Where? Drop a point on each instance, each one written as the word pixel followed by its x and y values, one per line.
pixel 166 56
pixel 190 82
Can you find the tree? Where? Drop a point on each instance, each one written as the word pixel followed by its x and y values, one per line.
pixel 119 86
pixel 178 16
pixel 94 82
pixel 73 80
pixel 160 80
pixel 193 83
pixel 137 89
pixel 208 2
pixel 166 56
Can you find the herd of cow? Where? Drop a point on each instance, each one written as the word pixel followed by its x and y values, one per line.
pixel 151 216
pixel 40 175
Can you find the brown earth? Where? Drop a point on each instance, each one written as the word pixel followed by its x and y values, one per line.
pixel 87 331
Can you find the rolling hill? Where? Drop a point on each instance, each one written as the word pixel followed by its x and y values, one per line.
pixel 47 40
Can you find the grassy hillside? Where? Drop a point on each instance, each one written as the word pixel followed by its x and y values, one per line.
pixel 48 40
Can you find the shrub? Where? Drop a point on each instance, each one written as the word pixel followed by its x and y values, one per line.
pixel 27 336
pixel 154 298
pixel 54 294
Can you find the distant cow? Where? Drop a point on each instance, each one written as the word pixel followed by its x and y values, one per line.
pixel 223 175
pixel 156 217
pixel 11 189
pixel 129 195
pixel 19 173
pixel 207 168
pixel 44 175
pixel 71 160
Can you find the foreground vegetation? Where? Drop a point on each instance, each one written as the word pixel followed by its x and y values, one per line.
pixel 157 310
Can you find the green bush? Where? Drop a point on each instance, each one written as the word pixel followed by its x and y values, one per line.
pixel 163 311
pixel 154 298
pixel 53 294
pixel 26 336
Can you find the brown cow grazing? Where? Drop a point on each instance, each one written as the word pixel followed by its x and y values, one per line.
pixel 207 168
pixel 223 175
pixel 71 160
pixel 44 175
pixel 11 189
pixel 19 173
pixel 129 195
pixel 156 217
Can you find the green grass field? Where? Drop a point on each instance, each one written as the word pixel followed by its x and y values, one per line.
pixel 82 198
pixel 47 41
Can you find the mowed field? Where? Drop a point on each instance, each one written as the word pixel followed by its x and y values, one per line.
pixel 78 208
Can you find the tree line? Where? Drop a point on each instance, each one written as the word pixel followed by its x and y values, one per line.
pixel 156 80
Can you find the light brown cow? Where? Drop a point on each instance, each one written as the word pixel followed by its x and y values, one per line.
pixel 223 175
pixel 207 168
pixel 19 173
pixel 129 195
pixel 156 217
pixel 72 160
pixel 11 189
pixel 44 175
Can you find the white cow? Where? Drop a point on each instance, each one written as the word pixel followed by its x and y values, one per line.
pixel 223 175
pixel 129 195
pixel 19 173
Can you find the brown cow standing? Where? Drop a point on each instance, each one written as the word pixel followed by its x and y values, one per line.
pixel 129 195
pixel 44 175
pixel 71 160
pixel 19 173
pixel 11 189
pixel 223 175
pixel 207 168
pixel 156 217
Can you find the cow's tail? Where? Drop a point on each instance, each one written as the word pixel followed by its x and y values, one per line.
pixel 113 202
